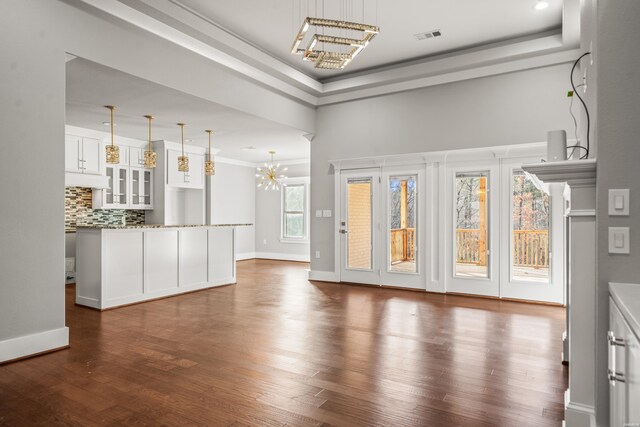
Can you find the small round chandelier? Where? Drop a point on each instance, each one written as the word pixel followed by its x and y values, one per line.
pixel 271 175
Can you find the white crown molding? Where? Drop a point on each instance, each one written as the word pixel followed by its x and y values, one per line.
pixel 173 21
pixel 235 162
pixel 461 155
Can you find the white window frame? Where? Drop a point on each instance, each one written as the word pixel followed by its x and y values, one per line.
pixel 304 181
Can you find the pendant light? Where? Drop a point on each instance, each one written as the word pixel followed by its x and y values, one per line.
pixel 112 151
pixel 149 154
pixel 269 177
pixel 209 165
pixel 183 161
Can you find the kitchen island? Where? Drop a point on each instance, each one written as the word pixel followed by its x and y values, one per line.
pixel 118 265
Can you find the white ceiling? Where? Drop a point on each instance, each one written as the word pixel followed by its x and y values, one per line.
pixel 272 24
pixel 90 86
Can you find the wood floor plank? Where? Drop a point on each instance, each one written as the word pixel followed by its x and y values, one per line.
pixel 278 350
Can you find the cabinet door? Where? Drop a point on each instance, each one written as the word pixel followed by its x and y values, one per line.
pixel 195 176
pixel 617 390
pixel 175 178
pixel 108 198
pixel 122 187
pixel 72 153
pixel 135 195
pixel 136 157
pixel 146 189
pixel 633 379
pixel 91 156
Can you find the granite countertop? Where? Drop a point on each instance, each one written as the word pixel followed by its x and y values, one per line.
pixel 131 227
pixel 627 298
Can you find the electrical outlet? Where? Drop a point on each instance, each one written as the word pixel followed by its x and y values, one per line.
pixel 318 213
pixel 317 254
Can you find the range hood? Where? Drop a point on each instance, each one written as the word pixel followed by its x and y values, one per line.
pixel 85 180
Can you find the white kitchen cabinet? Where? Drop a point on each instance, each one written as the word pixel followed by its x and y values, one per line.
pixel 136 157
pixel 116 195
pixel 140 188
pixel 192 179
pixel 82 155
pixel 624 354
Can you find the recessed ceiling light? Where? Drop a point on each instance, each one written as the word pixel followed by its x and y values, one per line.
pixel 188 140
pixel 541 5
pixel 251 147
pixel 109 124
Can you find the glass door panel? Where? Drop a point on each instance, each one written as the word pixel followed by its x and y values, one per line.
pixel 359 227
pixel 471 237
pixel 531 210
pixel 146 188
pixel 122 186
pixel 402 223
pixel 135 187
pixel 359 224
pixel 110 188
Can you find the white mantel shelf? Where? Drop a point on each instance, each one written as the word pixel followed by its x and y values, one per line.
pixel 576 173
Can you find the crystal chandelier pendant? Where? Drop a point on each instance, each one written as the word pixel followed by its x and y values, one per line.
pixel 112 150
pixel 150 159
pixel 149 154
pixel 183 161
pixel 113 154
pixel 209 168
pixel 183 164
pixel 209 165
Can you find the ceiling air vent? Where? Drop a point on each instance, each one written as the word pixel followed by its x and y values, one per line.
pixel 428 35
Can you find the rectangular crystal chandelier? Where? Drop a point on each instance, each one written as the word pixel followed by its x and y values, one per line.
pixel 327 58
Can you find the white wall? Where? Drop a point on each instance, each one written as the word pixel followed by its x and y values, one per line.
pixel 233 202
pixel 500 110
pixel 32 81
pixel 617 60
pixel 269 223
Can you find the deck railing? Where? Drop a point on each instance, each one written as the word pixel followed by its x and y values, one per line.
pixel 530 247
pixel 403 244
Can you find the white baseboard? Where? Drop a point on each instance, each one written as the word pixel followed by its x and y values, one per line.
pixel 283 257
pixel 324 276
pixel 16 348
pixel 578 414
pixel 245 255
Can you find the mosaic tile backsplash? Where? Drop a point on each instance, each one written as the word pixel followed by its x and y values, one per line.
pixel 78 211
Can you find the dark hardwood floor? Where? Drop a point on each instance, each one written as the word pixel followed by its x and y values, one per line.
pixel 278 350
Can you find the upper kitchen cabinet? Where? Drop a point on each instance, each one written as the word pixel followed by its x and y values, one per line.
pixel 82 155
pixel 136 157
pixel 192 179
pixel 141 189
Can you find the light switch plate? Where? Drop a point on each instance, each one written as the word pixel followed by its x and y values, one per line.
pixel 326 213
pixel 318 213
pixel 619 202
pixel 618 240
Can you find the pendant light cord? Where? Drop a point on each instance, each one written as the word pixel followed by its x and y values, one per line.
pixel 586 110
pixel 111 109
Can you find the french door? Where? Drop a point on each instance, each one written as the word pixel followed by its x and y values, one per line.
pixel 473 234
pixel 381 228
pixel 532 237
pixel 360 226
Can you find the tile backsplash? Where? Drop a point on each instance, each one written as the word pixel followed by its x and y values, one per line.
pixel 78 211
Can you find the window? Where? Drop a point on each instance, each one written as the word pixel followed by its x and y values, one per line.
pixel 294 212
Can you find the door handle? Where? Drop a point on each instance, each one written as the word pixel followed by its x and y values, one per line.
pixel 613 340
pixel 344 231
pixel 615 377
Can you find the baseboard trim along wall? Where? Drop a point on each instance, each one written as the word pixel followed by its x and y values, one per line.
pixel 324 276
pixel 272 255
pixel 29 345
pixel 283 257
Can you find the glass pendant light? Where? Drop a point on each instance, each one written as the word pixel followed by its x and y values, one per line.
pixel 183 161
pixel 112 150
pixel 149 154
pixel 209 165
